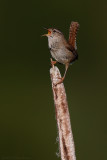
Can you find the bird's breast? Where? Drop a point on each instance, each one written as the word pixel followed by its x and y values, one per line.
pixel 59 52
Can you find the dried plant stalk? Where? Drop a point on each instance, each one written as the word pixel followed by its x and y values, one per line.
pixel 66 142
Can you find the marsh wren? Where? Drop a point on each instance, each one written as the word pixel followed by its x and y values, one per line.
pixel 63 51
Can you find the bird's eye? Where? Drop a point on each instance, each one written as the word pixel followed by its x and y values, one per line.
pixel 54 31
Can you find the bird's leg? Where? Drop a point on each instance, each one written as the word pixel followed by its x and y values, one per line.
pixel 66 68
pixel 53 62
pixel 62 78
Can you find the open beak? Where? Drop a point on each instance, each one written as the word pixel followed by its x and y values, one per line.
pixel 45 35
pixel 49 33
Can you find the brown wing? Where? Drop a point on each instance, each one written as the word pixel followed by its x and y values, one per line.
pixel 72 34
pixel 73 51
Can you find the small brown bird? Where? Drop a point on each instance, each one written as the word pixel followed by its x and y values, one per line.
pixel 64 52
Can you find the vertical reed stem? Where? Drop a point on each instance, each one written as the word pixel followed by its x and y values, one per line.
pixel 66 142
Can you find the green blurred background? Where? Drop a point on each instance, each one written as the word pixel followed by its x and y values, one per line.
pixel 27 118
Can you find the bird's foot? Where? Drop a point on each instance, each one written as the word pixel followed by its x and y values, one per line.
pixel 60 81
pixel 53 62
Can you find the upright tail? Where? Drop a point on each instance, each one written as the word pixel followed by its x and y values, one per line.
pixel 72 34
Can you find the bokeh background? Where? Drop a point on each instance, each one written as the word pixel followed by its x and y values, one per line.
pixel 28 127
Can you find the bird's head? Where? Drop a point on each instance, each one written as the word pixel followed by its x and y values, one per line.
pixel 53 33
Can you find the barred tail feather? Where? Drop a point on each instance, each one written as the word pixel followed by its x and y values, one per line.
pixel 73 33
